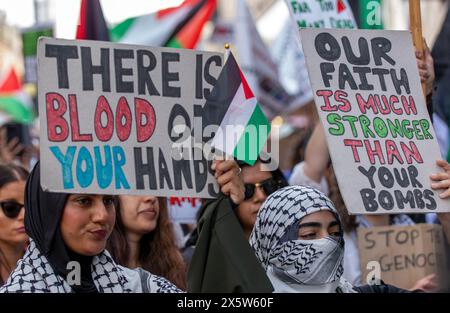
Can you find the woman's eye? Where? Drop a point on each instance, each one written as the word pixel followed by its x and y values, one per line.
pixel 108 201
pixel 84 201
pixel 335 234
pixel 308 236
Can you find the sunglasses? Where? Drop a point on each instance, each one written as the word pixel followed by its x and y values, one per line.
pixel 269 186
pixel 11 209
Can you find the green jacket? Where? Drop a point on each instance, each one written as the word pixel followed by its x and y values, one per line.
pixel 223 260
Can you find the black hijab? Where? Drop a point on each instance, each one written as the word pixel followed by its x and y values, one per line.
pixel 43 212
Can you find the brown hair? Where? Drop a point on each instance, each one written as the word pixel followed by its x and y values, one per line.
pixel 158 252
pixel 10 173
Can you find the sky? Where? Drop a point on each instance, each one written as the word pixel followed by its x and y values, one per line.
pixel 65 14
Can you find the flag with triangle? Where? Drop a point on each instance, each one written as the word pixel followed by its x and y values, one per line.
pixel 178 27
pixel 243 127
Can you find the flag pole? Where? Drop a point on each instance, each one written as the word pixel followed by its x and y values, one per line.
pixel 415 25
pixel 227 52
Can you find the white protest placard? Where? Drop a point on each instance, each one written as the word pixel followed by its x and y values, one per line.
pixel 306 13
pixel 183 209
pixel 321 13
pixel 291 66
pixel 113 117
pixel 367 91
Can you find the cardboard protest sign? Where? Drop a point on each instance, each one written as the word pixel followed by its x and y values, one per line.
pixel 306 13
pixel 367 91
pixel 321 14
pixel 124 119
pixel 183 209
pixel 402 254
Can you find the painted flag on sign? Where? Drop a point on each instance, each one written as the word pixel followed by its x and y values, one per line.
pixel 243 127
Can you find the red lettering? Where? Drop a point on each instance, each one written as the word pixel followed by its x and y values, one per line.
pixel 354 144
pixel 382 104
pixel 103 133
pixel 372 153
pixel 144 109
pixel 393 100
pixel 409 106
pixel 392 151
pixel 341 96
pixel 326 94
pixel 369 104
pixel 411 153
pixel 175 200
pixel 57 127
pixel 74 121
pixel 123 127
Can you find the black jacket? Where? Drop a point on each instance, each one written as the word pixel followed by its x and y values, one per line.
pixel 223 260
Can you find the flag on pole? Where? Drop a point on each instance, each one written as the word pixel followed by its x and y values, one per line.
pixel 178 27
pixel 243 127
pixel 14 102
pixel 92 24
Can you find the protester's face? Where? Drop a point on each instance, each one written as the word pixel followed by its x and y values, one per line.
pixel 139 214
pixel 318 225
pixel 12 230
pixel 87 222
pixel 248 209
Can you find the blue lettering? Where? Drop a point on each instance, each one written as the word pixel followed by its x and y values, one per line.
pixel 119 161
pixel 104 171
pixel 85 177
pixel 66 163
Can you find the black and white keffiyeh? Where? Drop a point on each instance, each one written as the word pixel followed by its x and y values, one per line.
pixel 45 265
pixel 295 265
pixel 34 274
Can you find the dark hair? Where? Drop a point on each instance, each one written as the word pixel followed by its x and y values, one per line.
pixel 158 252
pixel 11 173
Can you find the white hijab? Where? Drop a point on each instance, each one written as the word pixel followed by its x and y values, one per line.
pixel 291 264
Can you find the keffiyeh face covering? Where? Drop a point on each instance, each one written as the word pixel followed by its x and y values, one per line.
pixel 292 263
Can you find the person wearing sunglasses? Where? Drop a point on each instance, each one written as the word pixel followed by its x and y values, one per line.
pixel 12 231
pixel 259 183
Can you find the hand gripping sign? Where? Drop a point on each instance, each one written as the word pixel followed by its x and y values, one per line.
pixel 367 91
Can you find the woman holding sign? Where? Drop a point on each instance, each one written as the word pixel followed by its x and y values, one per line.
pixel 12 232
pixel 312 172
pixel 298 238
pixel 68 235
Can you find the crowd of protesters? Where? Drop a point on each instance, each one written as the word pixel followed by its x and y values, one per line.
pixel 126 243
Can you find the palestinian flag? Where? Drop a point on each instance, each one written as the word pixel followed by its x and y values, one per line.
pixel 15 104
pixel 92 24
pixel 178 27
pixel 244 128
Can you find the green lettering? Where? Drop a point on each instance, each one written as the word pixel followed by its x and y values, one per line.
pixel 365 123
pixel 334 119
